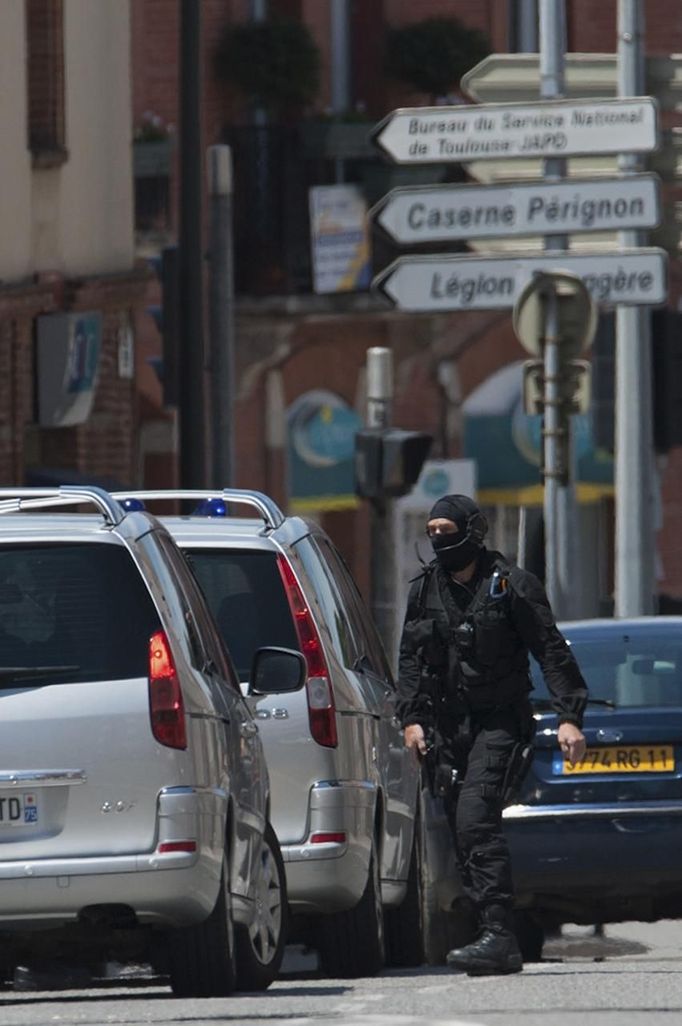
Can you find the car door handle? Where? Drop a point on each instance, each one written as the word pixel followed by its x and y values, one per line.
pixel 248 728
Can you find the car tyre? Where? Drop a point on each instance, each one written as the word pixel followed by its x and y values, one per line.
pixel 352 943
pixel 7 970
pixel 530 936
pixel 405 924
pixel 260 946
pixel 445 913
pixel 202 957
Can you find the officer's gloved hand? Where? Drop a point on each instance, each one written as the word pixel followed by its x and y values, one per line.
pixel 414 738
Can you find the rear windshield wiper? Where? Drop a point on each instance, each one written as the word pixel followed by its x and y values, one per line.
pixel 10 673
pixel 546 703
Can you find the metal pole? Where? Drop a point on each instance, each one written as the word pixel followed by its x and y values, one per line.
pixel 561 562
pixel 525 13
pixel 382 557
pixel 635 536
pixel 260 226
pixel 221 315
pixel 340 47
pixel 340 67
pixel 379 387
pixel 190 254
pixel 551 443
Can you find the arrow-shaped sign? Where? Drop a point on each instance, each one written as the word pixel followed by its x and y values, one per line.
pixel 553 128
pixel 515 77
pixel 666 162
pixel 447 213
pixel 429 283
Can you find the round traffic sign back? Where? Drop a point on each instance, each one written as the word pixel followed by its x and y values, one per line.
pixel 576 313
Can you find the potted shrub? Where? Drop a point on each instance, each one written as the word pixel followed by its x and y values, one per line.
pixel 275 64
pixel 430 56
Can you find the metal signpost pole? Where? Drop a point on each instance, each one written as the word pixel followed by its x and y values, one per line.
pixel 382 557
pixel 340 67
pixel 190 252
pixel 634 555
pixel 221 315
pixel 559 504
pixel 551 436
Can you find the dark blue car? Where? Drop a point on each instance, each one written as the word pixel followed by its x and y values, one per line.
pixel 601 841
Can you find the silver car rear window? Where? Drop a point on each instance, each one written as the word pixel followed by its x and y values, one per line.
pixel 83 607
pixel 246 595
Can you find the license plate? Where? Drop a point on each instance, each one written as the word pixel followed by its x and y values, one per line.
pixel 18 809
pixel 622 759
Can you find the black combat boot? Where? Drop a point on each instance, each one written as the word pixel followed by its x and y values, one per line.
pixel 495 952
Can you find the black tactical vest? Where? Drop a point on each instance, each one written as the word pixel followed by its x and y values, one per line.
pixel 478 654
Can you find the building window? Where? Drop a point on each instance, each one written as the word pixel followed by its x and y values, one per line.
pixel 45 80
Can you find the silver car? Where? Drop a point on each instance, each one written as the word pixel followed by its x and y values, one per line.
pixel 134 796
pixel 346 795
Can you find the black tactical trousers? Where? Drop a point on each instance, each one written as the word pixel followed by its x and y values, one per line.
pixel 482 746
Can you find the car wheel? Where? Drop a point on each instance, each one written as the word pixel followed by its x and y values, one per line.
pixel 202 957
pixel 260 946
pixel 352 943
pixel 404 925
pixel 7 969
pixel 445 914
pixel 530 936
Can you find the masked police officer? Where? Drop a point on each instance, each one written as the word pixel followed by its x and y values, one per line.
pixel 472 617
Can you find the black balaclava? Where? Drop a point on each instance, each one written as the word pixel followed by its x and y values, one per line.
pixel 456 551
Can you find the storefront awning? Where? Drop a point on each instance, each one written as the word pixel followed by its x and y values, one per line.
pixel 507 446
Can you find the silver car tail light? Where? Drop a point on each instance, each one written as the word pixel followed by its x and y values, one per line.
pixel 166 707
pixel 321 708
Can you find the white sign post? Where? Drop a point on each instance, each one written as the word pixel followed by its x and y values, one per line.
pixel 446 213
pixel 505 77
pixel 505 137
pixel 556 128
pixel 430 283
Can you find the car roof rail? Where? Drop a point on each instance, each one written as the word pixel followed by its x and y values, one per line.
pixel 267 508
pixel 16 500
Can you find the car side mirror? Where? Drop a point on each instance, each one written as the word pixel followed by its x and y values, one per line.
pixel 276 671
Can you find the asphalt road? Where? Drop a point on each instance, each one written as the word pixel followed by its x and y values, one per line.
pixel 632 976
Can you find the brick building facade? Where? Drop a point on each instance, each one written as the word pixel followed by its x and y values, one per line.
pixel 292 344
pixel 67 240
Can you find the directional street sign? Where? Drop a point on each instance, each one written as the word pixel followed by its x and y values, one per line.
pixel 446 213
pixel 426 135
pixel 432 283
pixel 666 161
pixel 515 77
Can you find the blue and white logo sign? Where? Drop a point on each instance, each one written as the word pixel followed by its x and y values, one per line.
pixel 322 428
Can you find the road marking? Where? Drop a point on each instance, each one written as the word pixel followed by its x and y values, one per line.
pixel 389 1020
